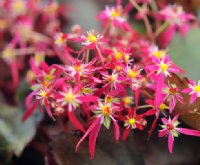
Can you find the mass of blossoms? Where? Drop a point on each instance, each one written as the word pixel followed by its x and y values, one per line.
pixel 116 78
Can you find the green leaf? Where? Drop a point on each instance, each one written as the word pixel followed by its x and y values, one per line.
pixel 15 135
pixel 185 52
pixel 106 122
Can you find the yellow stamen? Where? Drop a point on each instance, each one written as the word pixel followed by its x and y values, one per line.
pixel 8 53
pixel 92 38
pixel 78 67
pixel 132 73
pixel 159 54
pixel 162 107
pixel 59 40
pixel 127 100
pixel 118 55
pixel 106 110
pixel 69 97
pixel 131 121
pixel 118 68
pixel 48 77
pixel 197 88
pixel 112 78
pixel 164 67
pixel 3 24
pixel 115 13
pixel 18 6
pixel 109 99
pixel 43 94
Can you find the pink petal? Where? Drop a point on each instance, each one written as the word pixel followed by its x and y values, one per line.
pixel 180 99
pixel 88 98
pixel 116 129
pixel 152 127
pixel 188 131
pixel 162 132
pixel 29 98
pixel 48 109
pixel 126 133
pixel 193 98
pixel 149 112
pixel 97 121
pixel 29 111
pixel 159 86
pixel 187 90
pixel 172 104
pixel 74 120
pixel 170 142
pixel 164 120
pixel 92 139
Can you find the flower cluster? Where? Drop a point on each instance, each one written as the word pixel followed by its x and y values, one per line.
pixel 116 77
pixel 27 28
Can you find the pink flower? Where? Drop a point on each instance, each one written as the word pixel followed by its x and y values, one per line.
pixel 163 66
pixel 92 39
pixel 170 129
pixel 172 93
pixel 177 20
pixel 115 15
pixel 104 114
pixel 193 90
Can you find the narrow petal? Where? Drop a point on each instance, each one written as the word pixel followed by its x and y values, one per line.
pixel 126 133
pixel 116 129
pixel 162 133
pixel 187 131
pixel 172 104
pixel 92 139
pixel 29 111
pixel 193 98
pixel 74 120
pixel 92 126
pixel 48 109
pixel 170 142
pixel 187 90
pixel 29 98
pixel 88 98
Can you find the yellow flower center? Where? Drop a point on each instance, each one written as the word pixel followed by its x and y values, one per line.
pixel 159 54
pixel 118 68
pixel 69 97
pixel 197 88
pixel 43 94
pixel 115 13
pixel 18 6
pixel 112 78
pixel 127 100
pixel 86 90
pixel 164 67
pixel 126 57
pixel 132 73
pixel 59 40
pixel 106 110
pixel 131 121
pixel 78 67
pixel 118 55
pixel 39 57
pixel 8 53
pixel 30 75
pixel 109 99
pixel 51 8
pixel 162 107
pixel 3 24
pixel 92 38
pixel 48 77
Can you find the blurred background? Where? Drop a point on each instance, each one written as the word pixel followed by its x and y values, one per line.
pixel 59 149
